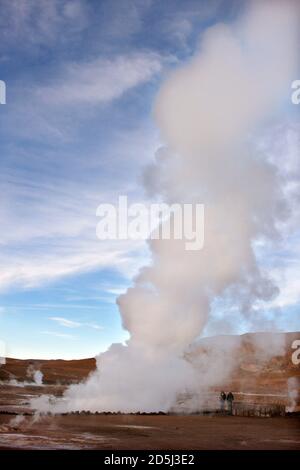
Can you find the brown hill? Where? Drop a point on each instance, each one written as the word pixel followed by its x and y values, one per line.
pixel 254 362
pixel 54 371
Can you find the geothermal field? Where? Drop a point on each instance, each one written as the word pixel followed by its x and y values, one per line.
pixel 150 220
pixel 265 384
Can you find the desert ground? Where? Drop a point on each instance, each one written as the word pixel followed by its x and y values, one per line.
pixel 150 432
pixel 261 420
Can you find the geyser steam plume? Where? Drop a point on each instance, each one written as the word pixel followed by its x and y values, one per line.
pixel 209 112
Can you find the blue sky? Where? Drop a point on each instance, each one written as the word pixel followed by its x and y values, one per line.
pixel 77 130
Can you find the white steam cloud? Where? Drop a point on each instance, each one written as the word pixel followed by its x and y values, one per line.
pixel 293 393
pixel 209 112
pixel 35 374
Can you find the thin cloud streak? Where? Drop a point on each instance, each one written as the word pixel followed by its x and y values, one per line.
pixel 101 80
pixel 65 322
pixel 74 324
pixel 58 335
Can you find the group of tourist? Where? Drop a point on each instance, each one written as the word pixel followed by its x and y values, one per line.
pixel 226 401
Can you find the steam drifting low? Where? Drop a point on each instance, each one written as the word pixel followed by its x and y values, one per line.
pixel 209 112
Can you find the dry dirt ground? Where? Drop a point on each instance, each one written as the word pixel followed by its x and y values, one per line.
pixel 133 432
pixel 21 429
pixel 254 383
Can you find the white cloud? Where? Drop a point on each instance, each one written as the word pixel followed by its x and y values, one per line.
pixel 117 290
pixel 74 324
pixel 94 326
pixel 100 80
pixel 52 307
pixel 178 25
pixel 287 276
pixel 65 322
pixel 42 22
pixel 58 335
pixel 29 269
pixel 48 224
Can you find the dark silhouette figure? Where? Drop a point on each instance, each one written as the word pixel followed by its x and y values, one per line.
pixel 222 400
pixel 230 399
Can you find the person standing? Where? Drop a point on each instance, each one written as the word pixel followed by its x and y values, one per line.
pixel 222 400
pixel 230 399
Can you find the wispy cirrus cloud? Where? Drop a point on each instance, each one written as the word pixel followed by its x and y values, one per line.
pixel 66 322
pixel 100 80
pixel 94 326
pixel 42 22
pixel 48 218
pixel 58 335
